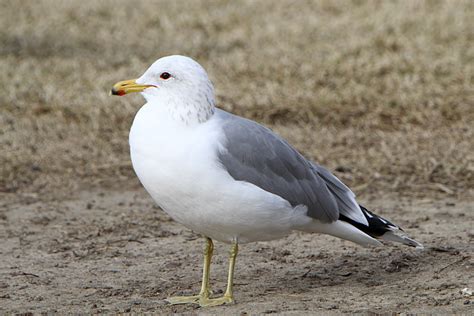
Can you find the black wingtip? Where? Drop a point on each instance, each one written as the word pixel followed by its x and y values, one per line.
pixel 381 228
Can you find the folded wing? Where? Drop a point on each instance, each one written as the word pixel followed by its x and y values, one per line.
pixel 255 154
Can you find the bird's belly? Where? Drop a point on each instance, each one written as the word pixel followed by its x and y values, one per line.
pixel 209 201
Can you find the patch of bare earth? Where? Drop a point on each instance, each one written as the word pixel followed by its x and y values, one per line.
pixel 114 251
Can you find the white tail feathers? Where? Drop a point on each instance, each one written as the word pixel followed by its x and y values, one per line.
pixel 349 232
pixel 342 230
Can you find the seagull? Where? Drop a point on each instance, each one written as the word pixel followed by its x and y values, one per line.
pixel 231 179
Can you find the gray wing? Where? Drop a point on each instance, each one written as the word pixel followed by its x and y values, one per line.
pixel 345 198
pixel 256 155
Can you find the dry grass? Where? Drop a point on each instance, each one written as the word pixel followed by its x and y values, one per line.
pixel 381 91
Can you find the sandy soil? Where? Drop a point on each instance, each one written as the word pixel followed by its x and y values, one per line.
pixel 114 251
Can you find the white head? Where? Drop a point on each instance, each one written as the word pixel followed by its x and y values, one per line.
pixel 178 83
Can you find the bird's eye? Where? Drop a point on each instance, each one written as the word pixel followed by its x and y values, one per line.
pixel 165 75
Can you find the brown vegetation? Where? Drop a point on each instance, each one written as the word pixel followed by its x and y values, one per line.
pixel 380 91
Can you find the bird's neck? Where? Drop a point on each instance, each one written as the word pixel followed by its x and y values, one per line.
pixel 183 110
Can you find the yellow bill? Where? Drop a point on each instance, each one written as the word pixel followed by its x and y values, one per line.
pixel 128 86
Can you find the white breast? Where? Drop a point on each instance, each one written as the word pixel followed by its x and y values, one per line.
pixel 177 164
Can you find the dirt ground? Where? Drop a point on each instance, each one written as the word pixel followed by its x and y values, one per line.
pixel 380 92
pixel 114 251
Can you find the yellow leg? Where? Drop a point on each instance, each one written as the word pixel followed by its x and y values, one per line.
pixel 203 297
pixel 205 292
pixel 228 295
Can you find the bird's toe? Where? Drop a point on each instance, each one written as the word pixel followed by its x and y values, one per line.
pixel 194 299
pixel 208 302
